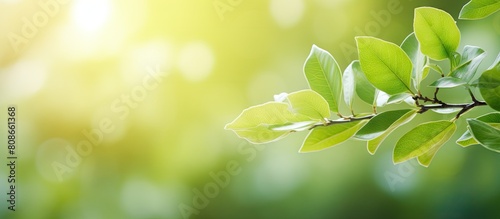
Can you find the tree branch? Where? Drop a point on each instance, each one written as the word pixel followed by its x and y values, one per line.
pixel 442 105
pixel 438 104
pixel 342 120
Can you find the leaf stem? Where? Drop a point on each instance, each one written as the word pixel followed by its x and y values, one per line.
pixel 437 104
pixel 472 95
pixel 342 120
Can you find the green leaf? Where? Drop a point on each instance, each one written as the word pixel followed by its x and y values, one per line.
pixel 385 65
pixel 410 101
pixel 382 98
pixel 349 82
pixel 364 89
pixel 412 48
pixel 471 59
pixel 448 82
pixel 380 126
pixel 295 126
pixel 487 135
pixel 455 60
pixel 261 124
pixel 446 110
pixel 354 80
pixel 423 139
pixel 436 68
pixel 477 9
pixel 310 104
pixel 324 76
pixel 492 119
pixel 324 137
pixel 437 33
pixel 467 140
pixel 496 63
pixel 398 98
pixel 426 158
pixel 470 53
pixel 489 85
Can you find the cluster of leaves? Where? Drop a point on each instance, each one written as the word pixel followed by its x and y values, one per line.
pixel 387 74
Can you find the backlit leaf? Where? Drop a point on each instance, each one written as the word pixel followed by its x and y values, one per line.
pixel 471 59
pixel 310 104
pixel 324 76
pixel 380 126
pixel 349 82
pixel 487 135
pixel 477 9
pixel 385 65
pixel 324 137
pixel 437 33
pixel 261 124
pixel 422 139
pixel 448 82
pixel 492 119
pixel 411 46
pixel 489 85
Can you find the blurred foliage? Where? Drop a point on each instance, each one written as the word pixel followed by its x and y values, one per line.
pixel 92 55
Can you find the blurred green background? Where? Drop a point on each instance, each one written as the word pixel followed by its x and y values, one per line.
pixel 154 82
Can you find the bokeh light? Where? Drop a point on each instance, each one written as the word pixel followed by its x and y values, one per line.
pixel 122 107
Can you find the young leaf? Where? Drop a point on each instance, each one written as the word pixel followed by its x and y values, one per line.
pixel 280 97
pixel 487 135
pixel 324 76
pixel 467 140
pixel 477 9
pixel 260 124
pixel 423 139
pixel 435 67
pixel 380 126
pixel 295 126
pixel 382 98
pixel 455 60
pixel 398 98
pixel 447 110
pixel 470 53
pixel 471 59
pixel 412 48
pixel 364 89
pixel 437 33
pixel 448 82
pixel 492 119
pixel 354 80
pixel 385 65
pixel 496 63
pixel 323 137
pixel 410 101
pixel 310 104
pixel 489 85
pixel 349 82
pixel 426 158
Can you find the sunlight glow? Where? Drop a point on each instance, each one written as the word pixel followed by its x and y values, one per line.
pixel 23 79
pixel 287 13
pixel 196 61
pixel 91 15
